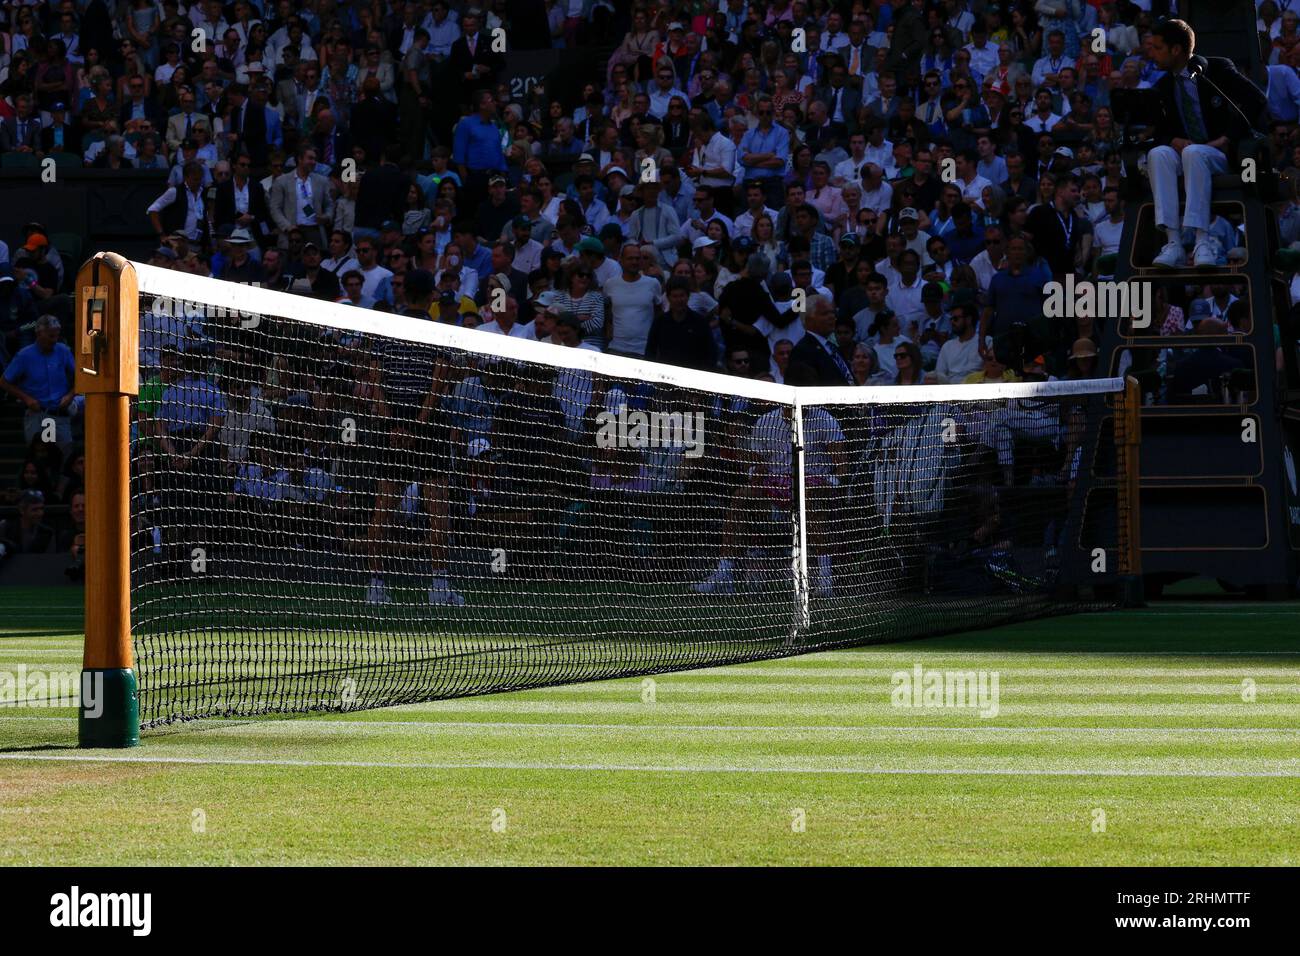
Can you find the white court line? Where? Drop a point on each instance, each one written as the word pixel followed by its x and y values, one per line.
pixel 319 722
pixel 639 768
pixel 772 728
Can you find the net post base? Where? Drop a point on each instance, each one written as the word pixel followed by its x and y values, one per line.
pixel 109 713
pixel 1132 591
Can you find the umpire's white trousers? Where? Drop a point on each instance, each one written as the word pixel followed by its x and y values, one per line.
pixel 1197 165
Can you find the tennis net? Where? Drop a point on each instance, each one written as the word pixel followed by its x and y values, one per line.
pixel 335 509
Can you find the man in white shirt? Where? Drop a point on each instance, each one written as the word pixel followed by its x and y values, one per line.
pixel 834 39
pixel 504 322
pixel 987 262
pixel 983 55
pixel 1042 119
pixel 378 279
pixel 879 150
pixel 528 251
pixel 633 298
pixel 442 29
pixel 876 193
pixel 712 161
pixel 850 170
pixel 755 206
pixel 909 227
pixel 1107 231
pixel 1047 67
pixel 193 220
pixel 960 355
pixel 969 181
pixel 904 296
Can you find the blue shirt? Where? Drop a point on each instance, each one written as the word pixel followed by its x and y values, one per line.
pixel 480 261
pixel 46 378
pixel 776 140
pixel 1016 298
pixel 190 405
pixel 1283 94
pixel 478 144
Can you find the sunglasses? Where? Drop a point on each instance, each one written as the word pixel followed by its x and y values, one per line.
pixel 901 356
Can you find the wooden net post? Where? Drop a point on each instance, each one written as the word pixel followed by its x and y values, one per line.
pixel 108 373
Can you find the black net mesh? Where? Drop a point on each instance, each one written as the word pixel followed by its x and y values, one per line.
pixel 327 519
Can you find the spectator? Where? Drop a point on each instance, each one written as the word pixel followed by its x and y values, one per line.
pixel 959 357
pixel 633 298
pixel 27 533
pixel 301 198
pixel 1199 143
pixel 241 202
pixel 477 151
pixel 816 349
pixel 41 376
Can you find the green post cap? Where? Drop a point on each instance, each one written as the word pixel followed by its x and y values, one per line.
pixel 109 713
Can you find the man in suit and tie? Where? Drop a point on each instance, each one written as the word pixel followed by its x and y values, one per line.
pixel 841 99
pixel 301 198
pixel 333 145
pixel 817 348
pixel 180 126
pixel 252 126
pixel 21 132
pixel 472 60
pixel 1198 121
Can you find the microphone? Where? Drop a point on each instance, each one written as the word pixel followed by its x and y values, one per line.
pixel 1196 68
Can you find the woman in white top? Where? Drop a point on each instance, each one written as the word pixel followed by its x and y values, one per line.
pixel 550 201
pixel 765 244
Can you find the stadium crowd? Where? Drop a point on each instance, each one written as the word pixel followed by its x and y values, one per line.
pixel 871 192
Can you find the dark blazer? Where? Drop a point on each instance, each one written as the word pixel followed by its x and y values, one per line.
pixel 152 112
pixel 810 352
pixel 250 124
pixel 373 121
pixel 461 61
pixel 342 143
pixel 850 100
pixel 224 210
pixel 1216 109
pixel 71 139
pixel 382 196
pixel 9 134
